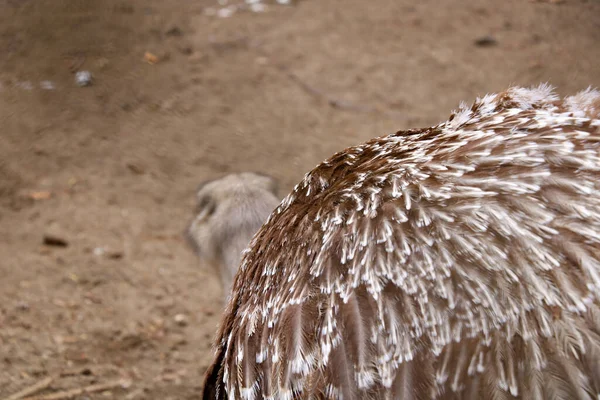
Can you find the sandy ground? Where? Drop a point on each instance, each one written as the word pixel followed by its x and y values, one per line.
pixel 111 169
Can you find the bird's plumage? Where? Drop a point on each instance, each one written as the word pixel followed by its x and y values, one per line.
pixel 460 261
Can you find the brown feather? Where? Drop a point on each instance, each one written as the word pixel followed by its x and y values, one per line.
pixel 460 261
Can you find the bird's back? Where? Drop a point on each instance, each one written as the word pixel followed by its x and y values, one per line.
pixel 458 261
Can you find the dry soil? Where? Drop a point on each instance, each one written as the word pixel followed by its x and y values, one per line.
pixel 97 183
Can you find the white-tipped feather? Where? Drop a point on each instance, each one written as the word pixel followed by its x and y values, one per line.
pixel 460 261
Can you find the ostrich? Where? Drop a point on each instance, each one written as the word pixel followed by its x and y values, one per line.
pixel 460 261
pixel 229 211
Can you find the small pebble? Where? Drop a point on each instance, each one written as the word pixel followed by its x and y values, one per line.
pixel 174 31
pixel 181 319
pixel 83 78
pixel 150 58
pixel 50 240
pixel 486 41
pixel 115 255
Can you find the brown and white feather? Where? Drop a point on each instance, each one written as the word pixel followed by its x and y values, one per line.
pixel 460 261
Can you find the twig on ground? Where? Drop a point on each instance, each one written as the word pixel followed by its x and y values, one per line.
pixel 67 394
pixel 43 384
pixel 135 393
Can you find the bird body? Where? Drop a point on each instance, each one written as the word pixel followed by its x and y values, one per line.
pixel 460 261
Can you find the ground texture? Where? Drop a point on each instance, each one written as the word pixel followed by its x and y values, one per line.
pixel 97 286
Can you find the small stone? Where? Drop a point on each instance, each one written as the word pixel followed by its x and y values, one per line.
pixel 39 195
pixel 181 319
pixel 150 58
pixel 174 31
pixel 135 168
pixel 83 78
pixel 50 240
pixel 486 41
pixel 114 255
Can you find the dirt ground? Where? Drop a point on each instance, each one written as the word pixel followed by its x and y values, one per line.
pixel 97 285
